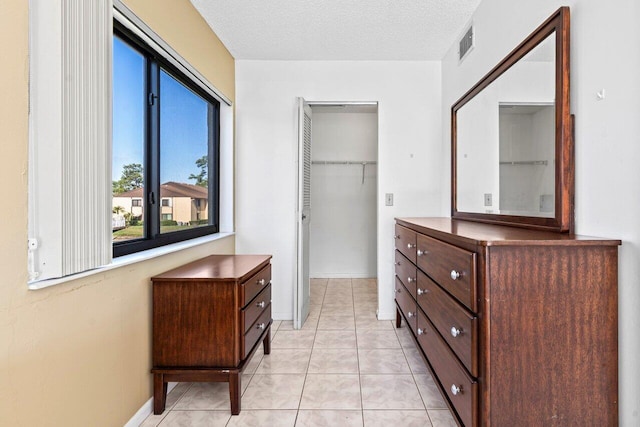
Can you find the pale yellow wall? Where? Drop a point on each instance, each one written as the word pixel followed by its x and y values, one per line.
pixel 193 41
pixel 78 354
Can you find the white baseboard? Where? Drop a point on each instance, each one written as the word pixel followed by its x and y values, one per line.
pixel 146 410
pixel 342 276
pixel 384 315
pixel 282 316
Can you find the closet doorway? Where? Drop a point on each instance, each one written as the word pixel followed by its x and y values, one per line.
pixel 343 188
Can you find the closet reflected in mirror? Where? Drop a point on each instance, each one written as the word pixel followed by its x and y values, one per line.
pixel 526 173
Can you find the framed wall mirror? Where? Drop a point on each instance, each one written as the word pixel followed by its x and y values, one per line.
pixel 512 137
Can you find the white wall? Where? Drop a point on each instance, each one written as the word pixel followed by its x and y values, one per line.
pixel 527 137
pixel 409 153
pixel 343 226
pixel 607 135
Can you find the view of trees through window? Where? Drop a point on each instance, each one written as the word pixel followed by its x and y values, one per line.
pixel 163 136
pixel 129 81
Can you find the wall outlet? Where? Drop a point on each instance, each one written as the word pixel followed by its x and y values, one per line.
pixel 388 199
pixel 488 199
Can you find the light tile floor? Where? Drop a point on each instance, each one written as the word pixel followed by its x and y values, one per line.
pixel 343 368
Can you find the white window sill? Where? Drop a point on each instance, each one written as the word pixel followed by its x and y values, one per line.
pixel 131 259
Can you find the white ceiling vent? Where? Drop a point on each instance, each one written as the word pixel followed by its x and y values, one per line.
pixel 466 44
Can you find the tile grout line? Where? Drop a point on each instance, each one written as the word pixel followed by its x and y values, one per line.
pixel 306 373
pixel 355 329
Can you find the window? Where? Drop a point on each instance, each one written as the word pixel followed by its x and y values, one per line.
pixel 165 146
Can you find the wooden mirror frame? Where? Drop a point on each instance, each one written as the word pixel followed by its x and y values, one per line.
pixel 563 220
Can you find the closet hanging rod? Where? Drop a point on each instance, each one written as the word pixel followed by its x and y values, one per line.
pixel 362 163
pixel 340 162
pixel 526 162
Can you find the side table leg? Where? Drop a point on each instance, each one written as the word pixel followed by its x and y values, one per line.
pixel 234 391
pixel 266 343
pixel 159 393
pixel 398 318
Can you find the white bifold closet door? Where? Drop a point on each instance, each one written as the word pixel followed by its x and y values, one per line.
pixel 303 215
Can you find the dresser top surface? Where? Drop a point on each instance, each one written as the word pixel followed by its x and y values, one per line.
pixel 496 235
pixel 216 267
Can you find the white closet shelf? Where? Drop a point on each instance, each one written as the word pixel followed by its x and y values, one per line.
pixel 362 163
pixel 344 162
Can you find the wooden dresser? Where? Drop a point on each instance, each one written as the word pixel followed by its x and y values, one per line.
pixel 209 317
pixel 518 327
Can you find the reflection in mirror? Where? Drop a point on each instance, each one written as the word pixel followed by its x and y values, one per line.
pixel 527 141
pixel 505 138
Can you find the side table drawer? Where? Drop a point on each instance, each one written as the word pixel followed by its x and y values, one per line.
pixel 461 389
pixel 451 267
pixel 255 285
pixel 407 304
pixel 253 310
pixel 255 330
pixel 406 272
pixel 457 326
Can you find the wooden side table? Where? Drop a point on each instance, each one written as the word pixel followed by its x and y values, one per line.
pixel 209 317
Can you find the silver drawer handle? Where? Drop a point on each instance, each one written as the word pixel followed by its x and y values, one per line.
pixel 397 236
pixel 456 390
pixel 397 262
pixel 260 326
pixel 420 291
pixel 410 279
pixel 410 246
pixel 420 252
pixel 420 331
pixel 410 314
pixel 455 332
pixel 455 275
pixel 262 282
pixel 398 291
pixel 261 304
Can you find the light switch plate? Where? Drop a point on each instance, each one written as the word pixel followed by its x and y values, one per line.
pixel 388 199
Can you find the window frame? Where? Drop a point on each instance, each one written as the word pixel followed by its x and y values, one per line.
pixel 153 238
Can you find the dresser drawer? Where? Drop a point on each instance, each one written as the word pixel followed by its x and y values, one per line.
pixel 255 330
pixel 255 285
pixel 451 267
pixel 407 304
pixel 457 326
pixel 406 272
pixel 253 310
pixel 406 242
pixel 460 388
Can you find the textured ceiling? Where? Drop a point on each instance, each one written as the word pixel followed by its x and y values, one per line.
pixel 337 29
